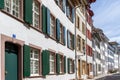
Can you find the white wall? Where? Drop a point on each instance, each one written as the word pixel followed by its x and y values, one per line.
pixel 10 26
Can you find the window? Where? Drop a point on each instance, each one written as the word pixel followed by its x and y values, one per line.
pixel 70 40
pixel 99 56
pixel 69 10
pixel 78 43
pixel 59 3
pixel 82 9
pixel 83 44
pixel 61 64
pixel 61 33
pixel 52 26
pixel 36 14
pixel 52 63
pixel 34 62
pixel 99 67
pixel 77 22
pixel 13 7
pixel 83 28
pixel 71 66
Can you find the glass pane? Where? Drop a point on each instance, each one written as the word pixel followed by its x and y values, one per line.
pixel 31 67
pixel 36 55
pixel 36 67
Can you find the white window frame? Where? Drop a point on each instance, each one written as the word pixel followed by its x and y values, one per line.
pixel 11 9
pixel 32 64
pixel 61 33
pixel 61 64
pixel 79 43
pixel 71 66
pixel 36 12
pixel 52 26
pixel 52 64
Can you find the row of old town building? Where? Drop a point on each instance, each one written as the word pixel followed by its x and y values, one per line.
pixel 53 40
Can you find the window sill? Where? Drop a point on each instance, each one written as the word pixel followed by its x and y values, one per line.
pixel 71 48
pixel 37 29
pixel 18 19
pixel 71 73
pixel 52 37
pixel 61 42
pixel 40 76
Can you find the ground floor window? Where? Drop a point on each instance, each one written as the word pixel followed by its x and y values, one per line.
pixel 52 63
pixel 34 62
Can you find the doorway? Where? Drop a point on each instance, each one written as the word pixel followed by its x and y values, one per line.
pixel 11 61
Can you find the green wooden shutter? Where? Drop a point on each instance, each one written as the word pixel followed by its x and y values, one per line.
pixel 45 62
pixel 58 30
pixel 26 61
pixel 1 4
pixel 64 35
pixel 64 64
pixel 48 21
pixel 68 39
pixel 73 67
pixel 28 11
pixel 57 63
pixel 73 43
pixel 68 66
pixel 73 15
pixel 44 19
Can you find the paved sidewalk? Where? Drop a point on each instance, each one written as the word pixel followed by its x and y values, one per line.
pixel 101 76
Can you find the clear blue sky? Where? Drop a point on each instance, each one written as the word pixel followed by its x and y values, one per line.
pixel 107 17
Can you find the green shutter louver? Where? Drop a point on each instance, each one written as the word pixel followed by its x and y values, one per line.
pixel 45 62
pixel 28 11
pixel 73 15
pixel 64 35
pixel 58 63
pixel 44 19
pixel 68 66
pixel 48 21
pixel 73 67
pixel 73 43
pixel 68 39
pixel 1 4
pixel 64 64
pixel 26 61
pixel 58 30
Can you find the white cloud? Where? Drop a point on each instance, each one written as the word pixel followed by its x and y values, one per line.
pixel 107 17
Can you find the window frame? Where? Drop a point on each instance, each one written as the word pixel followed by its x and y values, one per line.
pixel 71 66
pixel 39 14
pixel 78 22
pixel 20 15
pixel 40 61
pixel 61 64
pixel 69 7
pixel 70 40
pixel 83 28
pixel 53 35
pixel 78 43
pixel 61 34
pixel 54 55
pixel 59 3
